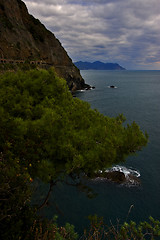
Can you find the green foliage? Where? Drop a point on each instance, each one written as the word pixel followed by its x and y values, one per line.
pixel 127 231
pixel 45 230
pixel 48 134
pixel 57 134
pixel 145 230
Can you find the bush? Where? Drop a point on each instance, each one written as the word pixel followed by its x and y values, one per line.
pixel 127 231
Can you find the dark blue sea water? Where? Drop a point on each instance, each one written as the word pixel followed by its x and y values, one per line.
pixel 137 96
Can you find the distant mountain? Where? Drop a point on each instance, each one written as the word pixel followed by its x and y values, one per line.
pixel 98 66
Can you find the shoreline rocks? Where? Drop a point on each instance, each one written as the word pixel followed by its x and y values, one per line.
pixel 117 176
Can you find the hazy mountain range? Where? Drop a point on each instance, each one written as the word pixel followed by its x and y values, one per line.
pixel 98 66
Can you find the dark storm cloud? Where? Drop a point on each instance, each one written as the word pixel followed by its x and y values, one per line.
pixel 123 31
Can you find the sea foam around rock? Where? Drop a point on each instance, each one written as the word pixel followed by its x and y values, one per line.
pixel 125 170
pixel 120 175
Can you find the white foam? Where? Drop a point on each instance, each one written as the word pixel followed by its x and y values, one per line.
pixel 81 90
pixel 86 89
pixel 125 170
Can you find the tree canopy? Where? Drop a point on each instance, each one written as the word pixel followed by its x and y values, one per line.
pixel 45 133
pixel 52 133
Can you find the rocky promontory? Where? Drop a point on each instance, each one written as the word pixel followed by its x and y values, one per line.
pixel 23 37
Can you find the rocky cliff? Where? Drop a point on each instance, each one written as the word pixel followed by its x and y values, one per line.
pixel 22 37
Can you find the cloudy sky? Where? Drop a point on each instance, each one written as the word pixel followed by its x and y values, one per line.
pixel 122 31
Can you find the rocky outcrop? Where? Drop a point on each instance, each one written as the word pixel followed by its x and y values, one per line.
pixel 121 178
pixel 119 175
pixel 22 37
pixel 115 176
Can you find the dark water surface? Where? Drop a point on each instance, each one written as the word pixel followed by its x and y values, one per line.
pixel 137 96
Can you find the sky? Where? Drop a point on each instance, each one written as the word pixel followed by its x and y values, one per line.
pixel 126 32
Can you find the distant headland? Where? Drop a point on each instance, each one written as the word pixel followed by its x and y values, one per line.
pixel 98 66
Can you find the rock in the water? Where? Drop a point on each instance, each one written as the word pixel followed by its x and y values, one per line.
pixel 120 175
pixel 132 180
pixel 115 176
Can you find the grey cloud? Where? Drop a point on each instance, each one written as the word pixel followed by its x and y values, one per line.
pixel 123 30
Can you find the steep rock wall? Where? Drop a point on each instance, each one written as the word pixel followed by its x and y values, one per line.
pixel 24 37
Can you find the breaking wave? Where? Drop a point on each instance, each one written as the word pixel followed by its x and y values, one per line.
pixel 86 89
pixel 125 170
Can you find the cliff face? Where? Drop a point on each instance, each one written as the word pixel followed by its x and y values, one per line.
pixel 22 37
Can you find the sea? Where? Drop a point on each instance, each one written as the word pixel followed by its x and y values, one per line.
pixel 136 94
